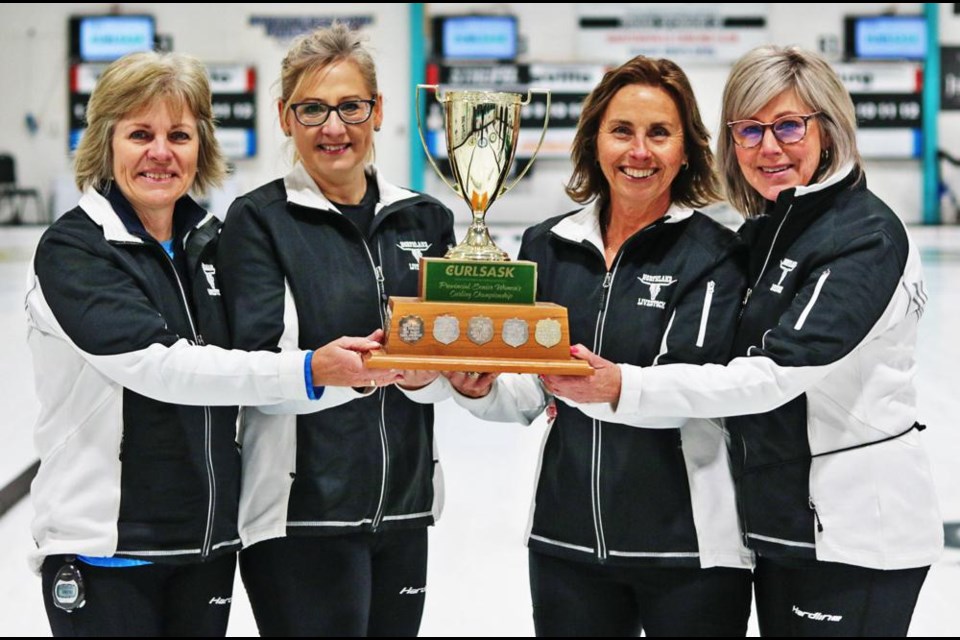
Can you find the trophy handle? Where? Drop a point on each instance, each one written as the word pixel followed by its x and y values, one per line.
pixel 543 133
pixel 423 141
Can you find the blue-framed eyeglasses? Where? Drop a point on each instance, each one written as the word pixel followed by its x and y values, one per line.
pixel 314 114
pixel 790 129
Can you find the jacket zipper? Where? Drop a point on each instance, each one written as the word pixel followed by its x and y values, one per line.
pixel 595 466
pixel 741 511
pixel 207 423
pixel 597 425
pixel 766 262
pixel 382 426
pixel 384 444
pixel 741 514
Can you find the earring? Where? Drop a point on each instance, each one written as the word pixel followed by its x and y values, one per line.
pixel 376 127
pixel 684 166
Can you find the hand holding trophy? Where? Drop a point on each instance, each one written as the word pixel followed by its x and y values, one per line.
pixel 477 310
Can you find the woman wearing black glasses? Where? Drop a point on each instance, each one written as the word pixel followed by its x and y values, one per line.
pixel 334 504
pixel 834 488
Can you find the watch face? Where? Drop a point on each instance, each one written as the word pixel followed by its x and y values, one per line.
pixel 68 588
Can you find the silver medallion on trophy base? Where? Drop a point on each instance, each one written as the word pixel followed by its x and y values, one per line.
pixel 516 332
pixel 480 330
pixel 547 333
pixel 410 329
pixel 446 329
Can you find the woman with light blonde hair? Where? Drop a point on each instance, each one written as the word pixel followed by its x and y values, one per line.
pixel 335 504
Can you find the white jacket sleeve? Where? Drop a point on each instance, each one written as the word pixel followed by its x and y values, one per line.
pixel 437 391
pixel 621 412
pixel 184 373
pixel 332 397
pixel 514 397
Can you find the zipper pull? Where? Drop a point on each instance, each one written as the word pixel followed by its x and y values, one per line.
pixel 384 298
pixel 816 516
pixel 607 279
pixel 378 270
pixel 743 305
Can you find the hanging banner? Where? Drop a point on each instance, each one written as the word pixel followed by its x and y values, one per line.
pixel 699 33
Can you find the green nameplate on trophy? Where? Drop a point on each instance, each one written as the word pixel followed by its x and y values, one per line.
pixel 443 280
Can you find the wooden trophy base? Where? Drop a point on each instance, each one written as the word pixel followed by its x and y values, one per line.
pixel 483 337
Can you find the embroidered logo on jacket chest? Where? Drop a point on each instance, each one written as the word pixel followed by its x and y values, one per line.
pixel 416 249
pixel 656 284
pixel 210 272
pixel 786 266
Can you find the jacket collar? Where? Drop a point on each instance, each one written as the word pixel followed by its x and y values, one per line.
pixel 833 179
pixel 584 225
pixel 303 191
pixel 99 209
pixel 794 211
pixel 128 228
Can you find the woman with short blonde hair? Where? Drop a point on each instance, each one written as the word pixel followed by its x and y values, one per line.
pixel 136 496
pixel 129 85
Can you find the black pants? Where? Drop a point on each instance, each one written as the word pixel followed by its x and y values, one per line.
pixel 361 584
pixel 581 599
pixel 827 599
pixel 150 600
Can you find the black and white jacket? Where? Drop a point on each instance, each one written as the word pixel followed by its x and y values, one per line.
pixel 608 492
pixel 136 458
pixel 827 464
pixel 298 273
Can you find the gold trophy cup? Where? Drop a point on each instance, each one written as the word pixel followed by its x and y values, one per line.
pixel 476 310
pixel 481 130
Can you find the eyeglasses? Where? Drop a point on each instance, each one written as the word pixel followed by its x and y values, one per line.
pixel 314 114
pixel 786 129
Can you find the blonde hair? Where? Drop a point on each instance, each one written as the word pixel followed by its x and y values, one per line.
pixel 319 49
pixel 761 75
pixel 130 85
